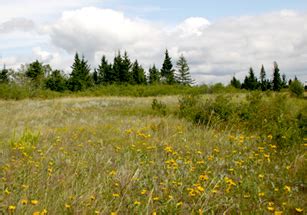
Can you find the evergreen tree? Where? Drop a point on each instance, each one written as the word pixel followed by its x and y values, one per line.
pixel 117 67
pixel 235 83
pixel 263 81
pixel 124 74
pixel 250 81
pixel 105 73
pixel 277 82
pixel 167 71
pixel 284 81
pixel 183 76
pixel 4 75
pixel 154 75
pixel 56 81
pixel 95 77
pixel 80 77
pixel 35 71
pixel 138 74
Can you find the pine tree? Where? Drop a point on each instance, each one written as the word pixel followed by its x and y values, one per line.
pixel 250 81
pixel 105 73
pixel 35 71
pixel 138 74
pixel 263 81
pixel 154 75
pixel 235 83
pixel 124 74
pixel 167 71
pixel 56 81
pixel 4 75
pixel 95 77
pixel 284 81
pixel 277 82
pixel 117 67
pixel 183 76
pixel 80 77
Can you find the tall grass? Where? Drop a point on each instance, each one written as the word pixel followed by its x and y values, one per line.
pixel 113 155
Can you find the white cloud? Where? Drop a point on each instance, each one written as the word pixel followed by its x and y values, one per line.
pixel 214 50
pixel 16 24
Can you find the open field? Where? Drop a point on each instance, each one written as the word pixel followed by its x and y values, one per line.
pixel 116 155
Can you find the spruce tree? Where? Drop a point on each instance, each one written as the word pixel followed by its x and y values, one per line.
pixel 117 67
pixel 235 83
pixel 4 76
pixel 250 81
pixel 124 74
pixel 277 82
pixel 56 81
pixel 154 75
pixel 80 77
pixel 263 81
pixel 138 74
pixel 95 77
pixel 105 73
pixel 167 71
pixel 284 81
pixel 35 72
pixel 183 76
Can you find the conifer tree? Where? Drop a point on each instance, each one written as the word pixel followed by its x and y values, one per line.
pixel 277 82
pixel 263 81
pixel 80 77
pixel 138 74
pixel 284 81
pixel 4 75
pixel 250 81
pixel 35 71
pixel 95 77
pixel 105 73
pixel 235 83
pixel 183 76
pixel 125 73
pixel 56 81
pixel 167 71
pixel 117 67
pixel 154 75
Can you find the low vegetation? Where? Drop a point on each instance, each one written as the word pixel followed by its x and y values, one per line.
pixel 192 154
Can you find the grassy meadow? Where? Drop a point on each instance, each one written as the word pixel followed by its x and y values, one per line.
pixel 130 155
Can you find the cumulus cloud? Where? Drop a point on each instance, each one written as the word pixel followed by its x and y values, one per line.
pixel 215 50
pixel 220 49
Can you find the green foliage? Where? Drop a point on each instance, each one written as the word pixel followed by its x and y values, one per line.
pixel 276 118
pixel 80 78
pixel 296 88
pixel 4 76
pixel 56 81
pixel 250 81
pixel 183 76
pixel 36 71
pixel 167 71
pixel 138 74
pixel 277 82
pixel 235 83
pixel 159 107
pixel 154 75
pixel 105 73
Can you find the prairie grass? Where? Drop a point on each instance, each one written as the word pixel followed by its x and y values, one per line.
pixel 116 155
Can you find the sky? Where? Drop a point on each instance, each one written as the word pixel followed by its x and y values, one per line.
pixel 219 38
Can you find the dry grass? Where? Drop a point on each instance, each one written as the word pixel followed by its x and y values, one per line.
pixel 113 155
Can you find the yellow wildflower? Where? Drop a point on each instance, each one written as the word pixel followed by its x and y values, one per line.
pixel 203 177
pixel 261 194
pixel 24 201
pixel 115 195
pixel 278 213
pixel 67 206
pixel 270 208
pixel 34 202
pixel 137 203
pixel 179 204
pixel 287 188
pixel 36 213
pixel 12 207
pixel 156 198
pixel 299 210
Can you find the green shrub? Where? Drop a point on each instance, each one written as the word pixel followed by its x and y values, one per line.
pixel 158 107
pixel 296 88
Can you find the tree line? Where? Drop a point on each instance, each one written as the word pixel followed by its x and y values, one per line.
pixel 121 71
pixel 277 83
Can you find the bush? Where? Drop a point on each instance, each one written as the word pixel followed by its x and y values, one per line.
pixel 265 114
pixel 296 88
pixel 159 107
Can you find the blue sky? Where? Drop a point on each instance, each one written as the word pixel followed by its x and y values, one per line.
pixel 219 38
pixel 174 11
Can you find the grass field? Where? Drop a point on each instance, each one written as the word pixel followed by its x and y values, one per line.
pixel 115 155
